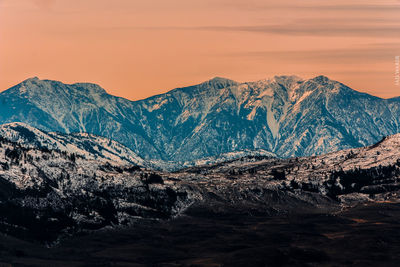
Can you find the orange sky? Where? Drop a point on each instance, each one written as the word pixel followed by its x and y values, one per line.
pixel 136 49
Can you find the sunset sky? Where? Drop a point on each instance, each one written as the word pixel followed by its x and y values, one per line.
pixel 136 49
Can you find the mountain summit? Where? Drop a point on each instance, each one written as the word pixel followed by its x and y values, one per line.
pixel 286 115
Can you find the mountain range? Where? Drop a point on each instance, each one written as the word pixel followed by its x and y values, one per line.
pixel 89 175
pixel 285 116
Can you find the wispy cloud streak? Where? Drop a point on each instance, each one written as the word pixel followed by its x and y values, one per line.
pixel 373 54
pixel 299 28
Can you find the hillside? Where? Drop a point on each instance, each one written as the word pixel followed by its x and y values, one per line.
pixel 66 192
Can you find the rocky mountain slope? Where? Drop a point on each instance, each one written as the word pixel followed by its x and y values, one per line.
pixel 285 115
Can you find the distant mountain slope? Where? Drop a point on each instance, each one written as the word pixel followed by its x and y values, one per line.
pixel 285 115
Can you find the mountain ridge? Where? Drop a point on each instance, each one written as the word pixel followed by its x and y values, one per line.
pixel 93 147
pixel 86 145
pixel 286 115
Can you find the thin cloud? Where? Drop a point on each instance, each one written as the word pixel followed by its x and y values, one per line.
pixel 300 28
pixel 320 29
pixel 372 54
pixel 352 7
pixel 44 4
pixel 289 5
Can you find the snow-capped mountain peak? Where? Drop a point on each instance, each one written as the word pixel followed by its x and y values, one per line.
pixel 219 82
pixel 31 80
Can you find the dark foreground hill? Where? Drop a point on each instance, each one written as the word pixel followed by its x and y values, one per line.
pixel 365 235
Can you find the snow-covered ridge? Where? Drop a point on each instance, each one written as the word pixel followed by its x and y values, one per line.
pixel 350 176
pixel 93 147
pixel 383 153
pixel 90 146
pixel 229 156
